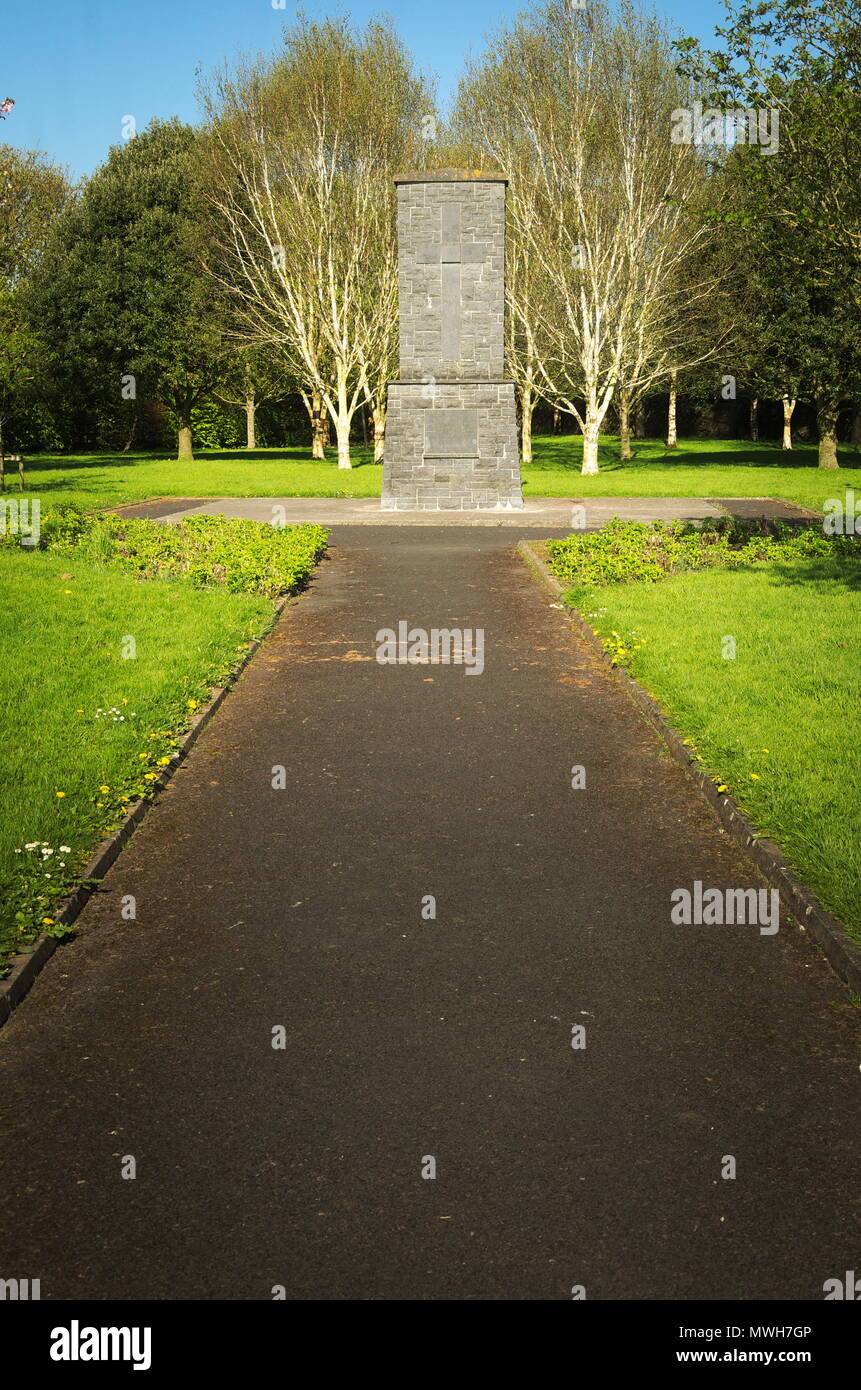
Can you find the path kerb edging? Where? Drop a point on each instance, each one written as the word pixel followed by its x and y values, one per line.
pixel 840 950
pixel 24 968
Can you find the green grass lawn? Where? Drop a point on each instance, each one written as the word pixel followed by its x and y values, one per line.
pixel 107 480
pixel 779 723
pixel 699 468
pixel 69 772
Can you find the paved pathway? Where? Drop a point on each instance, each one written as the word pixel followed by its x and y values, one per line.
pixel 405 1037
pixel 544 512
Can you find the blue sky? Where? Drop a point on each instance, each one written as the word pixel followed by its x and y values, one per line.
pixel 76 68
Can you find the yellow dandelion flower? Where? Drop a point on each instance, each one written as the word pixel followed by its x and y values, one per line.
pixel 59 793
pixel 46 922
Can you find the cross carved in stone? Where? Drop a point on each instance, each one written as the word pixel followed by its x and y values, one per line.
pixel 451 254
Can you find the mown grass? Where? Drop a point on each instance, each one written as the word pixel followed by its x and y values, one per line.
pixel 778 724
pixel 698 468
pixel 108 480
pixel 70 772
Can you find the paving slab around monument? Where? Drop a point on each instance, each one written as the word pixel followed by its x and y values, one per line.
pixel 301 908
pixel 548 513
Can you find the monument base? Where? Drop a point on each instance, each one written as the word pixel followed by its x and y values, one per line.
pixel 451 446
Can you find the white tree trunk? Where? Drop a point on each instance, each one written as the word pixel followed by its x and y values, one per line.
pixel 250 418
pixel 379 433
pixel 624 423
pixel 319 420
pixel 527 406
pixel 342 425
pixel 672 436
pixel 342 433
pixel 590 443
pixel 788 407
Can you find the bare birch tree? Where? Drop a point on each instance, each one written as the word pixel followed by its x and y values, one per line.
pixel 600 199
pixel 301 158
pixel 488 101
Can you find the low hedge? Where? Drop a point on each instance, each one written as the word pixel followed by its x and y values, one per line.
pixel 649 551
pixel 252 557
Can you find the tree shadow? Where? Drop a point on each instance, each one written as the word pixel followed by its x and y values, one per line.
pixel 842 568
pixel 563 452
pixel 83 464
pixel 290 453
pixel 360 455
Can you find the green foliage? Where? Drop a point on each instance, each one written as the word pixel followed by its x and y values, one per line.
pixel 251 557
pixel 119 292
pixel 64 525
pixel 793 217
pixel 215 427
pixel 638 550
pixel 804 58
pixel 32 196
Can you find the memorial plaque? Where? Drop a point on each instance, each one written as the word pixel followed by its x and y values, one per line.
pixel 451 434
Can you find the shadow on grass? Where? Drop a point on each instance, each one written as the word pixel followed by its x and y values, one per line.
pixel 76 463
pixel 842 569
pixel 565 452
pixel 361 456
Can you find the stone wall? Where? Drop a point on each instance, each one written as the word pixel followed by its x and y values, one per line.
pixel 451 265
pixel 456 447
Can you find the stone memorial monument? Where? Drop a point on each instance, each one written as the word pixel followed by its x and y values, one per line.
pixel 451 429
